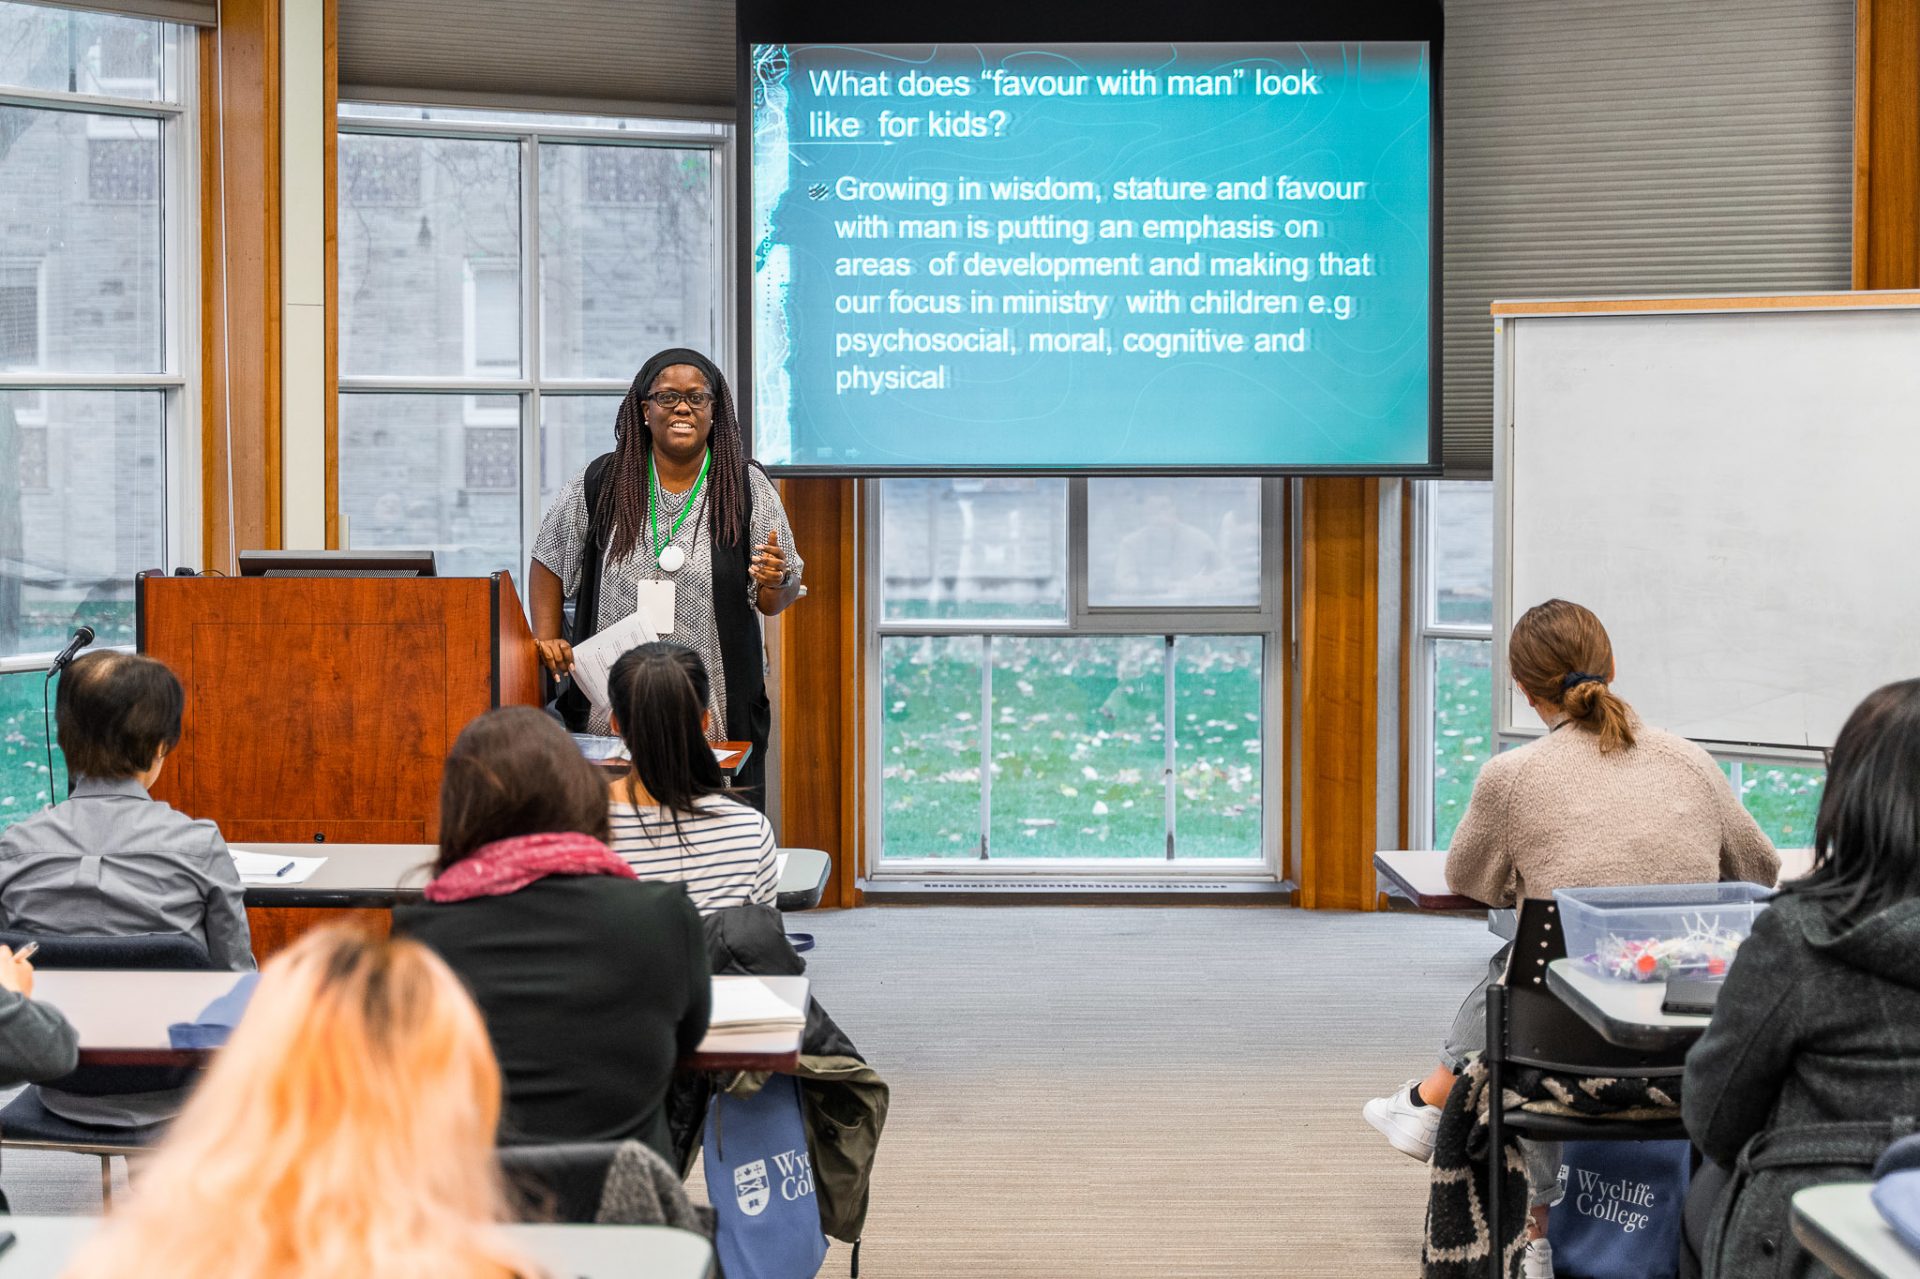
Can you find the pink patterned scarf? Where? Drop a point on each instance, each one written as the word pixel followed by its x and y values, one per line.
pixel 508 865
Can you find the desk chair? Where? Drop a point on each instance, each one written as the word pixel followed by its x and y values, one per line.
pixel 574 1182
pixel 27 1123
pixel 1527 1025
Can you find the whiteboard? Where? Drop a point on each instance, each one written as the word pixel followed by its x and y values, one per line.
pixel 1735 492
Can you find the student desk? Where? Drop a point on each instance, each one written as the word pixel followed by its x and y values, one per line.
pixel 1626 1013
pixel 381 876
pixel 122 1016
pixel 1420 876
pixel 1840 1225
pixel 44 1245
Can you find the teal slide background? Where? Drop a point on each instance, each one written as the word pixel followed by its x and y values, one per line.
pixel 1357 397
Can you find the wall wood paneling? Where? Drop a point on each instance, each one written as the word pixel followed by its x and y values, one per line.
pixel 1886 145
pixel 240 280
pixel 822 685
pixel 1339 662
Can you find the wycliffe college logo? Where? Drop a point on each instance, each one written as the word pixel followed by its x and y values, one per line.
pixel 1613 1201
pixel 753 1188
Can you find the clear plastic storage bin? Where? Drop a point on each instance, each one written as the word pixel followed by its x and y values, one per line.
pixel 1650 932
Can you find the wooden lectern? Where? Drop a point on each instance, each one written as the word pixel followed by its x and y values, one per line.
pixel 322 708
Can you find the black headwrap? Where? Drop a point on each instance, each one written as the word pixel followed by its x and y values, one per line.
pixel 623 498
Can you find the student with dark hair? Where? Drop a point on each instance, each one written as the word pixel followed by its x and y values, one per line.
pixel 111 861
pixel 593 984
pixel 1815 1040
pixel 678 508
pixel 673 815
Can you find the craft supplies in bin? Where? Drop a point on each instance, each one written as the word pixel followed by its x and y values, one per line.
pixel 1650 932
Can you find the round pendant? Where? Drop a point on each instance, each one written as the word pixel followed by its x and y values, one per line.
pixel 672 560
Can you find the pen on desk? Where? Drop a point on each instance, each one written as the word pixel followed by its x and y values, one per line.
pixel 283 870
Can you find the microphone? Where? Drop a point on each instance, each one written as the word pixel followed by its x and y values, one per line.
pixel 81 638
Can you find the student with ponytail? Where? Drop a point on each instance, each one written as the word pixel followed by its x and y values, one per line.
pixel 1602 799
pixel 674 817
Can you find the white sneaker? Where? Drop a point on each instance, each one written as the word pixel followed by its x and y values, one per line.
pixel 1537 1261
pixel 1407 1127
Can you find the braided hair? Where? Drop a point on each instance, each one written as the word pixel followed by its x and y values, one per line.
pixel 623 497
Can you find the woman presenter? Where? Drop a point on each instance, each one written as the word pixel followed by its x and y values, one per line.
pixel 673 523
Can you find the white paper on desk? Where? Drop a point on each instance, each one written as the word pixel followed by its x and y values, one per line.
pixel 748 1004
pixel 593 660
pixel 273 868
pixel 779 866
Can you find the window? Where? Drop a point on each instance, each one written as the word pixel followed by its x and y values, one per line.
pixel 21 320
pixel 98 321
pixel 1453 680
pixel 1044 695
pixel 453 390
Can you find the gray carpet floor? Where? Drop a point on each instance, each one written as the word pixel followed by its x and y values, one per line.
pixel 1116 1091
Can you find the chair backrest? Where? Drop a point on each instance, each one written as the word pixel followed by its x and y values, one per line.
pixel 1541 1030
pixel 559 1182
pixel 139 950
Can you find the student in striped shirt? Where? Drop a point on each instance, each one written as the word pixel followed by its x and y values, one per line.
pixel 673 817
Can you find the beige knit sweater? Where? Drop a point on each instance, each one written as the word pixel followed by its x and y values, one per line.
pixel 1556 813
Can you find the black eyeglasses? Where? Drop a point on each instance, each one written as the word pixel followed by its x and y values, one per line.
pixel 668 401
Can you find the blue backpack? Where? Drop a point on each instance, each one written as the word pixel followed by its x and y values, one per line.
pixel 1620 1217
pixel 760 1182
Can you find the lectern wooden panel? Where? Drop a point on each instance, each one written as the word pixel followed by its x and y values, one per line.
pixel 321 708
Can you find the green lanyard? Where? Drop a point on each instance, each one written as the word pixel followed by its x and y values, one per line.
pixel 653 502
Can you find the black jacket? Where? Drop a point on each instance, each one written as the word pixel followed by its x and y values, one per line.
pixel 1806 1072
pixel 592 987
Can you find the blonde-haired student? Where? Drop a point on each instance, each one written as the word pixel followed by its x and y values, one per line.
pixel 346 1129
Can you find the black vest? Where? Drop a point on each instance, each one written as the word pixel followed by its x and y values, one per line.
pixel 742 660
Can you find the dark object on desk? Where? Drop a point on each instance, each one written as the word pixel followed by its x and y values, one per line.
pixel 1692 996
pixel 337 564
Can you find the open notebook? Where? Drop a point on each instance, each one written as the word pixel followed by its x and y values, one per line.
pixel 746 1004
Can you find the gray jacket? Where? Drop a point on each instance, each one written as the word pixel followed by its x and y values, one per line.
pixel 112 862
pixel 1806 1072
pixel 36 1042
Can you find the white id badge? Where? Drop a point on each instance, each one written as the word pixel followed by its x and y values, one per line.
pixel 653 604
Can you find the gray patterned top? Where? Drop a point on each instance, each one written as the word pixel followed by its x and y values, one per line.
pixel 563 533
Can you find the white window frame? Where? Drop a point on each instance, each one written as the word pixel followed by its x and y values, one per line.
pixel 1269 619
pixel 1427 632
pixel 529 130
pixel 177 378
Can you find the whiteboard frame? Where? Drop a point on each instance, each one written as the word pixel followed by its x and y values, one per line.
pixel 1507 315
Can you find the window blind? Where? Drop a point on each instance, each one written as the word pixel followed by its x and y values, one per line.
pixel 196 13
pixel 1622 147
pixel 617 56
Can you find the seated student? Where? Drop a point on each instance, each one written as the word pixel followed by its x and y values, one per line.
pixel 112 862
pixel 1815 1039
pixel 36 1042
pixel 1602 799
pixel 593 984
pixel 673 817
pixel 345 1129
